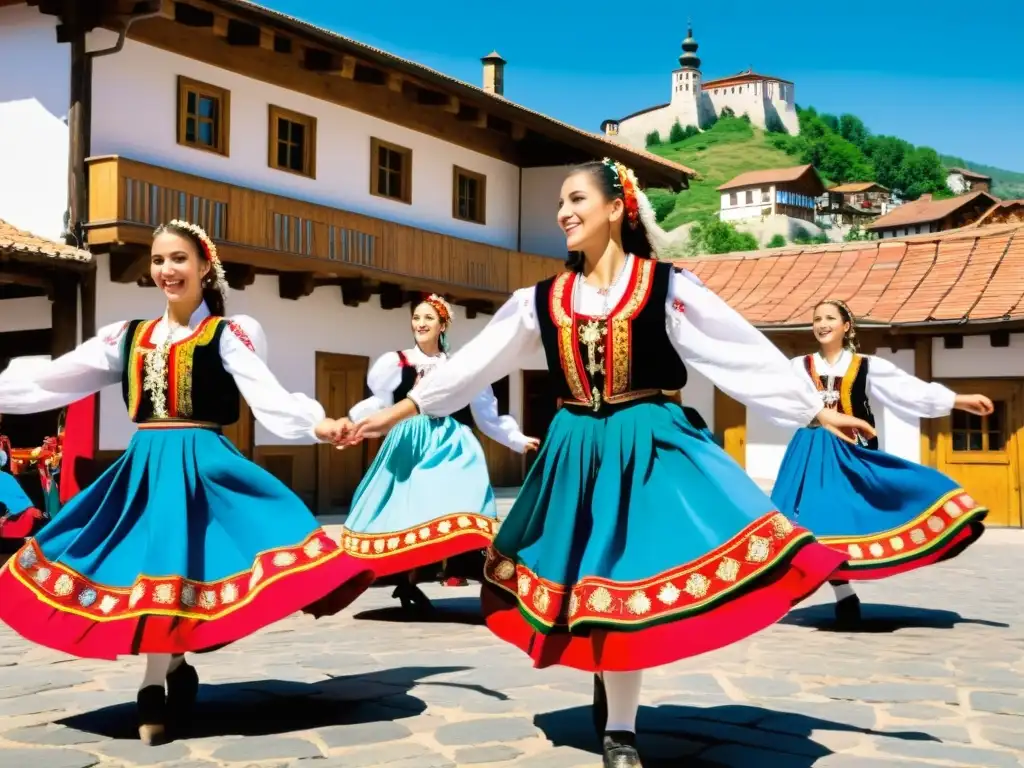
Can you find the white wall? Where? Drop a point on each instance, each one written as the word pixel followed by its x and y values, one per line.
pixel 28 314
pixel 979 359
pixel 33 65
pixel 742 210
pixel 134 114
pixel 699 393
pixel 295 331
pixel 540 231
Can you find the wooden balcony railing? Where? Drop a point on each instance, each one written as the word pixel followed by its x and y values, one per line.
pixel 127 199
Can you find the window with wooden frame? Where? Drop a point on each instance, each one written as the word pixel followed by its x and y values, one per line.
pixel 292 142
pixel 204 115
pixel 973 433
pixel 390 171
pixel 469 196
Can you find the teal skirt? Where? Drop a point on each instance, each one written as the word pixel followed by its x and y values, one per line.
pixel 425 501
pixel 182 545
pixel 636 541
pixel 17 512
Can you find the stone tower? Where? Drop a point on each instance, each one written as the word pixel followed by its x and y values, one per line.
pixel 686 84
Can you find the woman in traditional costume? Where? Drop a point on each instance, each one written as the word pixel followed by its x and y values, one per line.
pixel 888 514
pixel 182 544
pixel 635 540
pixel 425 508
pixel 18 513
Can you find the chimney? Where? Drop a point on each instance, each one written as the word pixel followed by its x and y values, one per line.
pixel 494 73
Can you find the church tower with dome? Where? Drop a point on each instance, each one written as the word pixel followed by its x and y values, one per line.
pixel 768 101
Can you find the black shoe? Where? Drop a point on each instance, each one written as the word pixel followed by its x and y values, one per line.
pixel 412 597
pixel 848 612
pixel 599 709
pixel 620 750
pixel 152 709
pixel 182 689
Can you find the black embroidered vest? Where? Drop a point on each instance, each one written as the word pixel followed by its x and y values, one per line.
pixel 191 361
pixel 409 378
pixel 848 393
pixel 626 356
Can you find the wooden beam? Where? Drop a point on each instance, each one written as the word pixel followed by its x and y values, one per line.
pixel 239 275
pixel 64 315
pixel 481 120
pixel 267 39
pixel 220 26
pixel 395 82
pixel 127 267
pixel 355 291
pixel 347 69
pixel 295 285
pixel 167 9
pixel 14 277
pixel 452 107
pixel 923 371
pixel 391 296
pixel 518 131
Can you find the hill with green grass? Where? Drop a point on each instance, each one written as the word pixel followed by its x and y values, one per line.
pixel 841 148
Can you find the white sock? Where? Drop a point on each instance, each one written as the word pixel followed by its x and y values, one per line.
pixel 843 591
pixel 157 665
pixel 623 692
pixel 176 661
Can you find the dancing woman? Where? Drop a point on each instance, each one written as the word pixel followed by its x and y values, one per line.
pixel 635 540
pixel 888 514
pixel 427 500
pixel 182 544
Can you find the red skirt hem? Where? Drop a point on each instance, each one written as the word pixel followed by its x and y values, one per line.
pixel 386 565
pixel 320 591
pixel 595 649
pixel 950 549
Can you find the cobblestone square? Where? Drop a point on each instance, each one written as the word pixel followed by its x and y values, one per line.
pixel 936 678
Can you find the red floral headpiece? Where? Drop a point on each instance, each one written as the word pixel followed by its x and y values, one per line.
pixel 628 184
pixel 444 309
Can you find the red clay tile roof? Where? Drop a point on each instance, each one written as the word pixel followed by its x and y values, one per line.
pixel 965 275
pixel 857 186
pixel 593 141
pixel 16 242
pixel 746 76
pixel 968 174
pixel 925 211
pixel 768 176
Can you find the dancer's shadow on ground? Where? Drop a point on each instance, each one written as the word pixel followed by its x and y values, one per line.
pixel 669 736
pixel 449 610
pixel 270 707
pixel 882 618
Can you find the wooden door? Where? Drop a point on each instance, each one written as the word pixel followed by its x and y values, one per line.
pixel 340 382
pixel 504 465
pixel 539 406
pixel 983 453
pixel 242 432
pixel 731 427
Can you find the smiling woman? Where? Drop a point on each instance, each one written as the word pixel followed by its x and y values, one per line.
pixel 183 544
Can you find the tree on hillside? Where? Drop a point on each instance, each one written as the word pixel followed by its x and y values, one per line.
pixel 854 131
pixel 717 236
pixel 676 133
pixel 653 139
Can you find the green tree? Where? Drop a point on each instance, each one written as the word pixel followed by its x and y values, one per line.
pixel 653 139
pixel 676 133
pixel 854 131
pixel 777 241
pixel 662 200
pixel 717 236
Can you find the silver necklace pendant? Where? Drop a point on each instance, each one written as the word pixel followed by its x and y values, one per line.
pixel 829 397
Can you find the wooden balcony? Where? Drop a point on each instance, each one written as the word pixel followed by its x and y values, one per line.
pixel 305 244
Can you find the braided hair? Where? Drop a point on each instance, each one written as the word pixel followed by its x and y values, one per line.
pixel 850 341
pixel 641 235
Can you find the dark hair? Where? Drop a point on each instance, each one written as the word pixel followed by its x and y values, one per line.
pixel 850 337
pixel 634 239
pixel 442 339
pixel 211 294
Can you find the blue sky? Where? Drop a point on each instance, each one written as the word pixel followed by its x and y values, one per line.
pixel 936 73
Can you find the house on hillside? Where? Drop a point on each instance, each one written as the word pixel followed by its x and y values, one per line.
pixel 774 192
pixel 961 180
pixel 1003 212
pixel 855 203
pixel 926 215
pixel 948 307
pixel 338 180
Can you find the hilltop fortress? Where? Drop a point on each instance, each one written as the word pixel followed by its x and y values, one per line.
pixel 698 102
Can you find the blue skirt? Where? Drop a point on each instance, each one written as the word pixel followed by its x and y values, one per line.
pixel 888 514
pixel 181 545
pixel 636 541
pixel 426 498
pixel 17 512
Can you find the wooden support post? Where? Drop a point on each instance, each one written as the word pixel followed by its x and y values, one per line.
pixel 64 315
pixel 923 371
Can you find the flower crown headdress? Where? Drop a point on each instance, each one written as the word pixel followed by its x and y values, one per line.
pixel 219 279
pixel 638 207
pixel 444 309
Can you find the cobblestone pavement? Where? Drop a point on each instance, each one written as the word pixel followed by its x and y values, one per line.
pixel 937 679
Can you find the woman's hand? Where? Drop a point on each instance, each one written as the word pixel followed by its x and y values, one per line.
pixel 379 423
pixel 839 424
pixel 532 444
pixel 332 430
pixel 976 404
